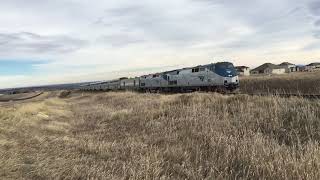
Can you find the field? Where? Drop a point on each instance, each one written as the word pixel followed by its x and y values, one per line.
pixel 125 135
pixel 296 83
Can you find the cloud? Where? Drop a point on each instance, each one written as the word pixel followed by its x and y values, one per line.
pixel 155 22
pixel 312 46
pixel 27 42
pixel 126 34
pixel 317 34
pixel 120 40
pixel 315 8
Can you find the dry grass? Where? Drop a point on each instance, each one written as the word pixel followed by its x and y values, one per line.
pixel 28 137
pixel 151 136
pixel 303 83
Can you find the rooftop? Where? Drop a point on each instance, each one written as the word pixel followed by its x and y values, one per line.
pixel 314 64
pixel 241 67
pixel 267 65
pixel 286 64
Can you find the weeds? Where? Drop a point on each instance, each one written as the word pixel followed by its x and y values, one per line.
pixel 151 136
pixel 297 83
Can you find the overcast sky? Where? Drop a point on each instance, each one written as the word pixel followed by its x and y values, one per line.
pixel 46 41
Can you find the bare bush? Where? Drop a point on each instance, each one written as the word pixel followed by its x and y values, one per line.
pixel 64 94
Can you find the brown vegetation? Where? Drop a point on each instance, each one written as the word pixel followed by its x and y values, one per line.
pixel 64 94
pixel 152 136
pixel 300 82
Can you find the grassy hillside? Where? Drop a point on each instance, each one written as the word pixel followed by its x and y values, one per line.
pixel 304 83
pixel 151 136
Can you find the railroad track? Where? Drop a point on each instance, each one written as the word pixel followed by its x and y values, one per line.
pixel 284 95
pixel 22 98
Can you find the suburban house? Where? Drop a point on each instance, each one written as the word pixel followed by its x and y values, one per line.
pixel 268 68
pixel 314 66
pixel 306 68
pixel 243 70
pixel 289 67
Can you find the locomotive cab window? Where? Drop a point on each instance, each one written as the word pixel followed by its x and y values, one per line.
pixel 194 70
pixel 165 77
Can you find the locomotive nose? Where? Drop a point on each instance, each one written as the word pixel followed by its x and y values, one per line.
pixel 231 80
pixel 231 83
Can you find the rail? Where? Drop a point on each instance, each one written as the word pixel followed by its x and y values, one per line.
pixel 22 98
pixel 305 96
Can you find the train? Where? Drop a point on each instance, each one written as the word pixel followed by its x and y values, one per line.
pixel 220 76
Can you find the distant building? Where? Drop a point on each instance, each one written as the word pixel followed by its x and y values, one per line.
pixel 313 66
pixel 289 67
pixel 243 70
pixel 306 68
pixel 300 67
pixel 268 68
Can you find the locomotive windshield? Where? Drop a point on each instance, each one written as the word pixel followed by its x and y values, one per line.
pixel 225 69
pixel 224 65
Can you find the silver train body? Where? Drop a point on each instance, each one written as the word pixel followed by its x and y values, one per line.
pixel 218 76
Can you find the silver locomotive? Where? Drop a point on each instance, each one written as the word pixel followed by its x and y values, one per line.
pixel 211 77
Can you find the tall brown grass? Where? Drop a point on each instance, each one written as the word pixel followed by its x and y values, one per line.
pixel 300 83
pixel 152 136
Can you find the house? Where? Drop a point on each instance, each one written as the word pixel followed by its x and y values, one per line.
pixel 289 67
pixel 306 68
pixel 313 66
pixel 300 67
pixel 243 70
pixel 268 68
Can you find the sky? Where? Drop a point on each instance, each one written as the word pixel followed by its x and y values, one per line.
pixel 63 41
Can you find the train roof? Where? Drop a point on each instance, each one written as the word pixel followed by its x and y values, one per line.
pixel 159 73
pixel 186 68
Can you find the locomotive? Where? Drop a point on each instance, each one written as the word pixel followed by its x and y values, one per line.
pixel 221 76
